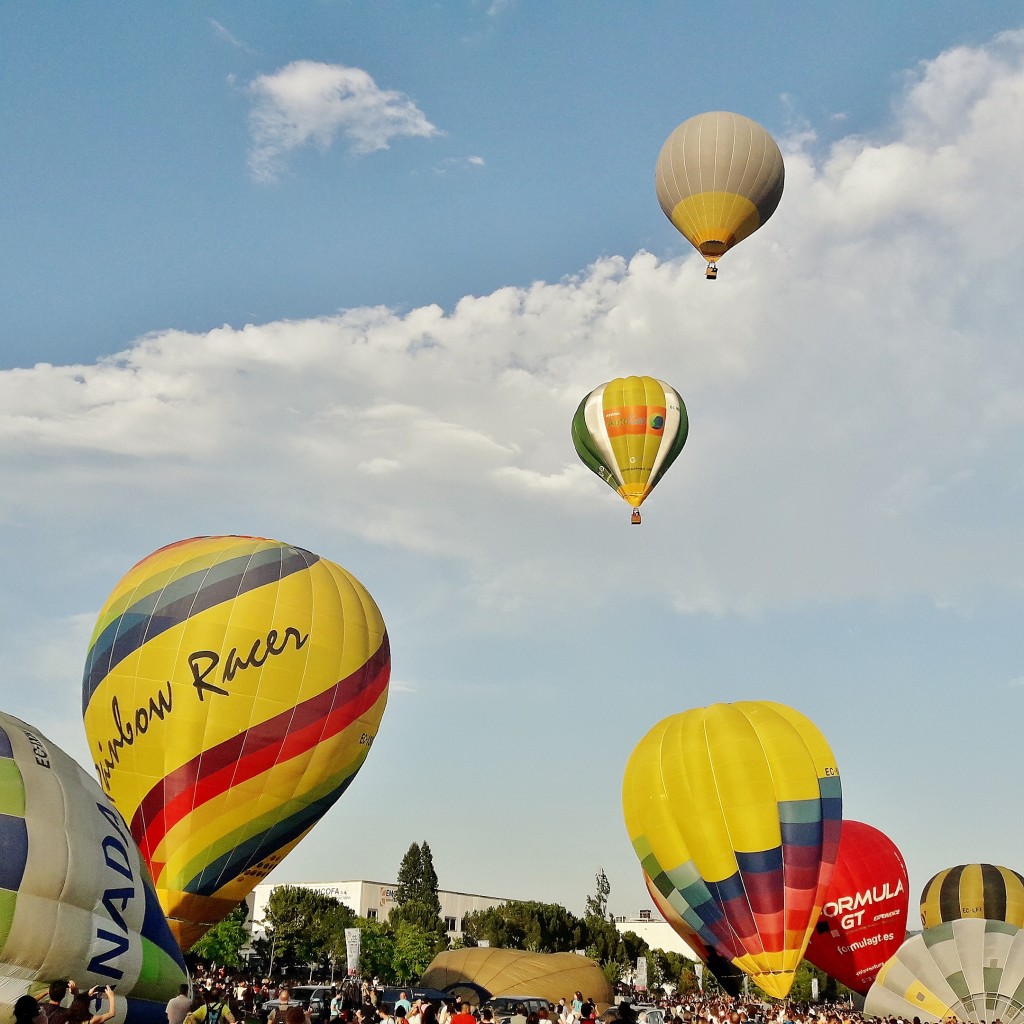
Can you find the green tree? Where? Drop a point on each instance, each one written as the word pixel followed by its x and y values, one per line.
pixel 603 941
pixel 397 956
pixel 417 879
pixel 597 905
pixel 305 926
pixel 408 876
pixel 538 927
pixel 414 949
pixel 416 899
pixel 223 943
pixel 377 951
pixel 675 968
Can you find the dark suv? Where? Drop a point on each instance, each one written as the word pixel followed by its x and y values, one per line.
pixel 315 998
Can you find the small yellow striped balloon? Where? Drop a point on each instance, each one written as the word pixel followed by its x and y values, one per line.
pixel 629 432
pixel 986 891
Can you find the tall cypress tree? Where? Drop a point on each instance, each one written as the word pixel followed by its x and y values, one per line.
pixel 428 880
pixel 409 874
pixel 416 896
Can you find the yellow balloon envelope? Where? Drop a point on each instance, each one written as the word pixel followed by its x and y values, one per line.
pixel 987 891
pixel 629 431
pixel 719 177
pixel 232 689
pixel 735 812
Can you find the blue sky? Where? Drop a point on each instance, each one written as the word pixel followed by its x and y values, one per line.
pixel 340 273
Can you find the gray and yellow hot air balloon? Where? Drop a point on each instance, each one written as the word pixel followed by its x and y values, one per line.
pixel 719 177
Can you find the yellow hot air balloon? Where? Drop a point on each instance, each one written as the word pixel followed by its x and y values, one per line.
pixel 629 431
pixel 719 177
pixel 232 689
pixel 988 891
pixel 735 812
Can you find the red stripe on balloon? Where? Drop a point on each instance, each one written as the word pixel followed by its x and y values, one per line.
pixel 257 750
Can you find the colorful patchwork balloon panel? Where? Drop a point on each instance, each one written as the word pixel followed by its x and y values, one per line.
pixel 232 690
pixel 75 897
pixel 734 811
pixel 726 973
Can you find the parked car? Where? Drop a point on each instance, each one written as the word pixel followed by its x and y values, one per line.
pixel 503 1007
pixel 315 998
pixel 649 1014
pixel 642 1013
pixel 390 995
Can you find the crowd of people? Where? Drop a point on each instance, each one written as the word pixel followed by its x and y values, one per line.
pixel 361 1002
pixel 212 999
pixel 64 1004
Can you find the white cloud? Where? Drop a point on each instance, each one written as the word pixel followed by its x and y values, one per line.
pixel 224 33
pixel 307 103
pixel 854 379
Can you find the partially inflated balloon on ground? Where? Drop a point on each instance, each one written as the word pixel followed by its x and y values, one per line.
pixel 988 891
pixel 629 431
pixel 719 177
pixel 970 969
pixel 232 690
pixel 75 898
pixel 864 917
pixel 734 811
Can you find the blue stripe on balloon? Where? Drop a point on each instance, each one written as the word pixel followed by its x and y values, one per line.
pixel 13 851
pixel 6 750
pixel 727 889
pixel 803 833
pixel 759 862
pixel 156 929
pixel 183 598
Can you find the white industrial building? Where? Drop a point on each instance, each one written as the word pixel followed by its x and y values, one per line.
pixel 372 900
pixel 658 934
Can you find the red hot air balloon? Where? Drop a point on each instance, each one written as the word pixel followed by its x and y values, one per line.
pixel 864 918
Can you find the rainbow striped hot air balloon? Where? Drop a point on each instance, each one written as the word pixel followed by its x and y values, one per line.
pixel 734 811
pixel 629 431
pixel 232 690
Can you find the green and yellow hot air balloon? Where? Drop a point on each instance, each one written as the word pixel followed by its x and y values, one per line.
pixel 719 177
pixel 628 432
